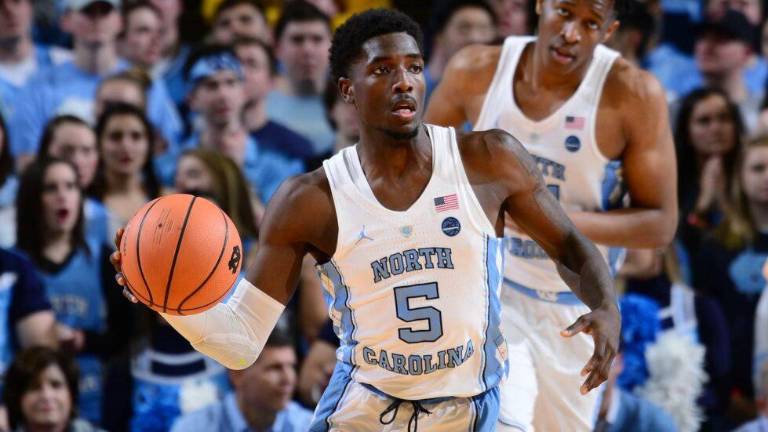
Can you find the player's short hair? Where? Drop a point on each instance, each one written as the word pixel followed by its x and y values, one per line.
pixel 299 11
pixel 350 37
pixel 444 11
pixel 245 41
pixel 229 4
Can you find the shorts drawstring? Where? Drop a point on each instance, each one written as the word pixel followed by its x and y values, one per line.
pixel 395 406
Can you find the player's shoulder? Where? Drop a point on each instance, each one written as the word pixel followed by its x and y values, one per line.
pixel 304 190
pixel 632 85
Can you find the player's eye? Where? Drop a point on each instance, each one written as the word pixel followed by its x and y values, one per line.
pixel 561 11
pixel 593 25
pixel 381 70
pixel 416 68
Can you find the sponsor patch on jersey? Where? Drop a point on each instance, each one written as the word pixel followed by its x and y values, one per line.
pixel 572 143
pixel 451 226
pixel 406 230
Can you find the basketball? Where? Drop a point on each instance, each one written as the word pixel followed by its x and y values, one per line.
pixel 180 254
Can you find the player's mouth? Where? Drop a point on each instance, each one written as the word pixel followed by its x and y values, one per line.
pixel 562 56
pixel 404 109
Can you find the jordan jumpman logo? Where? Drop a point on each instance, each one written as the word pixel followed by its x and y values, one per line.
pixel 362 236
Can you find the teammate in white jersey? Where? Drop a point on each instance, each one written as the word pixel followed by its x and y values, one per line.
pixel 407 226
pixel 596 127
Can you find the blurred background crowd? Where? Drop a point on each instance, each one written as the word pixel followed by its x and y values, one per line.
pixel 105 105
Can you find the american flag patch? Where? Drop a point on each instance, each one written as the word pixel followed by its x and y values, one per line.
pixel 574 122
pixel 445 203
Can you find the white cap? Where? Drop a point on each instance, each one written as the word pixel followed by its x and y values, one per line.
pixel 82 4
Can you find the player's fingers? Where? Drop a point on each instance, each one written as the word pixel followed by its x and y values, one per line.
pixel 120 279
pixel 127 294
pixel 118 237
pixel 599 373
pixel 581 325
pixel 114 258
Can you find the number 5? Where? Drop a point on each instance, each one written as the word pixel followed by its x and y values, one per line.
pixel 405 312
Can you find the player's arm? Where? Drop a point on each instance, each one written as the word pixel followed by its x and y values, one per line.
pixel 536 211
pixel 649 171
pixel 234 333
pixel 468 73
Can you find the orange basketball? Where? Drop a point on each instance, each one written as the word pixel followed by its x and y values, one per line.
pixel 180 254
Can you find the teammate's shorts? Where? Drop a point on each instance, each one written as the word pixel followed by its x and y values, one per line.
pixel 348 405
pixel 542 392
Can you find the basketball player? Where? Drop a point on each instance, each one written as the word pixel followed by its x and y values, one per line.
pixel 593 123
pixel 407 225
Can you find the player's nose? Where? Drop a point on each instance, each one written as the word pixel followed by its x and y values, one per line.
pixel 570 32
pixel 403 81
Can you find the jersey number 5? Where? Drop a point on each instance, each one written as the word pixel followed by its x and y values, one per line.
pixel 405 312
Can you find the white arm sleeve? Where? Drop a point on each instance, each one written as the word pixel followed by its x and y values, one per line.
pixel 232 333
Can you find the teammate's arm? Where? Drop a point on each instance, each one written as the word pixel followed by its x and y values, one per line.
pixel 234 333
pixel 649 171
pixel 535 210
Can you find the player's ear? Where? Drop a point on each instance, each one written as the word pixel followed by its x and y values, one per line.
pixel 612 27
pixel 346 90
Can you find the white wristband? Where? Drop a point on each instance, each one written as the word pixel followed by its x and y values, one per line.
pixel 232 333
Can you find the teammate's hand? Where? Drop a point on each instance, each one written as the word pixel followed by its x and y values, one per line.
pixel 604 325
pixel 115 260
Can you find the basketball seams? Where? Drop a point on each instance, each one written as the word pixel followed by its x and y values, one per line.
pixel 176 253
pixel 138 251
pixel 180 308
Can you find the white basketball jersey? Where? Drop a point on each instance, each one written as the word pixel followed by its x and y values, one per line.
pixel 414 294
pixel 565 149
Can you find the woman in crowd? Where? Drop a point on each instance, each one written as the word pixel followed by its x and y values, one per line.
pixel 94 321
pixel 41 393
pixel 125 180
pixel 729 263
pixel 70 138
pixel 8 186
pixel 707 135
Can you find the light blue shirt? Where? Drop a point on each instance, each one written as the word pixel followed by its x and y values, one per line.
pixel 759 425
pixel 226 417
pixel 305 115
pixel 66 89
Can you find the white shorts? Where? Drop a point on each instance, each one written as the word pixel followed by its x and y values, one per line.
pixel 542 392
pixel 349 406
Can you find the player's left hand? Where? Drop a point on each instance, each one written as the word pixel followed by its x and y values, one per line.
pixel 604 325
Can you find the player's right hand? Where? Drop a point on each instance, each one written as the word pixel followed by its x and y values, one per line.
pixel 115 260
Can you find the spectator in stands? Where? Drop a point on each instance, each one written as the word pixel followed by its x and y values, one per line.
pixel 303 38
pixel 9 184
pixel 708 133
pixel 211 174
pixel 514 17
pixel 20 57
pixel 70 87
pixel 139 42
pixel 125 180
pixel 760 424
pixel 454 25
pixel 174 52
pixel 261 399
pixel 70 138
pixel 317 366
pixel 729 264
pixel 342 117
pixel 723 50
pixel 93 320
pixel 259 67
pixel 239 19
pixel 128 87
pixel 633 37
pixel 41 393
pixel 217 96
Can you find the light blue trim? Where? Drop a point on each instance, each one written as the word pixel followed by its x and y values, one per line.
pixel 332 397
pixel 493 370
pixel 563 297
pixel 346 329
pixel 486 410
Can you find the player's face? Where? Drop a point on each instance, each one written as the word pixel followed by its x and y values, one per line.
pixel 240 21
pixel 219 98
pixel 125 145
pixel 48 403
pixel 712 126
pixel 387 85
pixel 754 175
pixel 15 18
pixel 571 29
pixel 256 73
pixel 141 42
pixel 193 176
pixel 467 26
pixel 61 198
pixel 270 382
pixel 118 91
pixel 77 144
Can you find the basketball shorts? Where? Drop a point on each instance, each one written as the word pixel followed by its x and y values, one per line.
pixel 542 392
pixel 348 405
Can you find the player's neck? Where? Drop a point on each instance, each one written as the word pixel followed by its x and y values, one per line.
pixel 258 419
pixel 95 59
pixel 381 155
pixel 14 50
pixel 539 75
